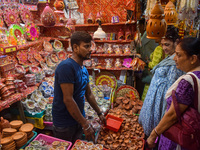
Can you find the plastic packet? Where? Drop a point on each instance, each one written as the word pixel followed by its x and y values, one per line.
pixel 127 49
pixel 118 63
pixel 109 62
pixel 118 49
pixel 108 48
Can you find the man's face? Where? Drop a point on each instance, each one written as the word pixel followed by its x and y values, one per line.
pixel 84 50
pixel 168 46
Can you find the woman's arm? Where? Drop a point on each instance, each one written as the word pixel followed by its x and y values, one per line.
pixel 167 121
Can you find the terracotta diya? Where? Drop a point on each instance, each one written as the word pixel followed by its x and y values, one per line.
pixel 28 127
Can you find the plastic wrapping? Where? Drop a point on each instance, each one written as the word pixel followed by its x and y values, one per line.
pixel 30 79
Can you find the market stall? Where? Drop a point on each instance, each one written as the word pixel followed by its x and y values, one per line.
pixel 35 38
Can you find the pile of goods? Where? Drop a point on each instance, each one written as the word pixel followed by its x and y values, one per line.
pixel 130 135
pixel 56 145
pixel 129 104
pixel 15 134
pixel 86 145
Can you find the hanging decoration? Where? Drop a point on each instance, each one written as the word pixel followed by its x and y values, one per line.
pixel 108 9
pixel 188 9
pixel 48 17
pixel 170 14
pixel 156 26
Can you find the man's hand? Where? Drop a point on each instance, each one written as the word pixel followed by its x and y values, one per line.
pixel 89 132
pixel 102 119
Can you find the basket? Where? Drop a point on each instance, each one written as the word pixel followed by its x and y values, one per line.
pixel 27 114
pixel 50 139
pixel 113 123
pixel 48 123
pixel 38 122
pixel 125 89
pixel 84 142
pixel 35 134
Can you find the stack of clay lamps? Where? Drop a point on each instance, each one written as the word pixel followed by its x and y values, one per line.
pixel 170 14
pixel 27 128
pixel 20 139
pixel 8 143
pixel 16 124
pixel 6 132
pixel 156 26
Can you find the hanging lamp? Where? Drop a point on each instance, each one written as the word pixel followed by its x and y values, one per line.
pixel 156 26
pixel 48 17
pixel 99 34
pixel 170 14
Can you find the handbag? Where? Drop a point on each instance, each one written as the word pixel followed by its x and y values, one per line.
pixel 186 131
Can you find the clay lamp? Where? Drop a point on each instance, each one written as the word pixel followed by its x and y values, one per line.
pixel 156 26
pixel 170 14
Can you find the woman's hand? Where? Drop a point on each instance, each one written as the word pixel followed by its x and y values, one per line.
pixel 89 132
pixel 151 142
pixel 151 139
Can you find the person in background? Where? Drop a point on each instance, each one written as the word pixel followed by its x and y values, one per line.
pixel 187 59
pixel 70 89
pixel 164 75
pixel 155 58
pixel 148 46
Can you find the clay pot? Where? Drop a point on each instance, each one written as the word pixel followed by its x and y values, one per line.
pixel 171 15
pixel 48 17
pixel 156 26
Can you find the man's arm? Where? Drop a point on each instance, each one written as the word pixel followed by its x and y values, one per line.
pixel 68 89
pixel 91 99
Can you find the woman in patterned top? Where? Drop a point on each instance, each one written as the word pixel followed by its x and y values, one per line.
pixel 187 59
pixel 164 75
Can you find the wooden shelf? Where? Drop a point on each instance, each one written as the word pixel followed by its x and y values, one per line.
pixel 111 55
pixel 56 25
pixel 54 38
pixel 113 41
pixel 104 68
pixel 28 44
pixel 104 24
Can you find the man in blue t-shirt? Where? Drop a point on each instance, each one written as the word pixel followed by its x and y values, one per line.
pixel 70 89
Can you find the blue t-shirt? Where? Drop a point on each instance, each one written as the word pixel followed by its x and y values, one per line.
pixel 69 71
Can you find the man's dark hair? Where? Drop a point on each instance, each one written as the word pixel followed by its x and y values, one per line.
pixel 80 36
pixel 172 33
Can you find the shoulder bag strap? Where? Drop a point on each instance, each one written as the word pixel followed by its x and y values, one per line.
pixel 176 107
pixel 195 92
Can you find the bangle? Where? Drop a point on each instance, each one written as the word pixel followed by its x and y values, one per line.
pixel 87 127
pixel 156 132
pixel 99 114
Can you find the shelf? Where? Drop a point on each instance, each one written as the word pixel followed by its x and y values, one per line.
pixel 113 41
pixel 29 44
pixel 111 55
pixel 56 25
pixel 104 68
pixel 54 38
pixel 9 101
pixel 104 24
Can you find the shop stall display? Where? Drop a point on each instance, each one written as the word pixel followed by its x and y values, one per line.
pixel 16 134
pixel 47 142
